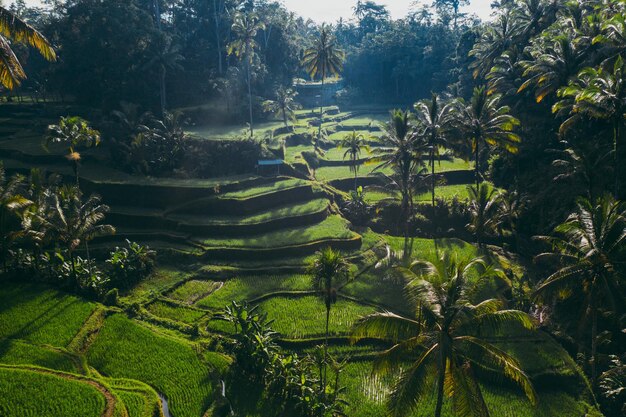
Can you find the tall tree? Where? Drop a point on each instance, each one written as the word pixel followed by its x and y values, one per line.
pixel 324 59
pixel 445 341
pixel 329 269
pixel 486 123
pixel 598 94
pixel 12 28
pixel 433 121
pixel 284 105
pixel 354 143
pixel 484 211
pixel 246 26
pixel 588 249
pixel 75 133
pixel 402 151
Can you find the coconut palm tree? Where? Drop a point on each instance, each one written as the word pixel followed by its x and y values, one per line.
pixel 598 94
pixel 246 26
pixel 73 221
pixel 324 59
pixel 552 66
pixel 284 105
pixel 433 121
pixel 483 209
pixel 75 133
pixel 445 340
pixel 12 28
pixel 329 270
pixel 402 151
pixel 486 124
pixel 496 39
pixel 354 143
pixel 10 202
pixel 588 247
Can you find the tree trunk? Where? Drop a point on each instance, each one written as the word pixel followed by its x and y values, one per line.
pixel 432 179
pixel 319 132
pixel 163 92
pixel 326 351
pixel 356 173
pixel 440 381
pixel 216 18
pixel 594 347
pixel 477 162
pixel 250 98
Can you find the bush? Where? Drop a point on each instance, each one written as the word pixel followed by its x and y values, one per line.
pixel 129 265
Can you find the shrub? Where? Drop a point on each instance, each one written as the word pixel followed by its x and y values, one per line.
pixel 129 265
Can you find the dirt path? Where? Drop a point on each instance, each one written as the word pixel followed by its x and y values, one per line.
pixel 109 409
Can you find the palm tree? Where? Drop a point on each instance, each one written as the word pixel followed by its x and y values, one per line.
pixel 483 209
pixel 588 247
pixel 75 132
pixel 10 202
pixel 329 269
pixel 72 221
pixel 324 59
pixel 284 105
pixel 354 143
pixel 12 28
pixel 246 26
pixel 434 119
pixel 166 58
pixel 444 341
pixel 486 124
pixel 598 94
pixel 402 151
pixel 552 66
pixel 496 39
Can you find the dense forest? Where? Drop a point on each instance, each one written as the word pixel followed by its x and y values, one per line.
pixel 219 207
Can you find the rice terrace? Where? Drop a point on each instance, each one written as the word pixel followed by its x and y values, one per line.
pixel 261 208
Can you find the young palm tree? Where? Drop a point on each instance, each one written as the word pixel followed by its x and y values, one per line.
pixel 354 143
pixel 75 132
pixel 329 269
pixel 401 150
pixel 246 26
pixel 445 341
pixel 284 105
pixel 598 94
pixel 12 28
pixel 10 202
pixel 434 119
pixel 324 59
pixel 73 222
pixel 588 247
pixel 486 124
pixel 483 208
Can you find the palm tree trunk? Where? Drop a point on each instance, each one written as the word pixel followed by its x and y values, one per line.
pixel 432 174
pixel 477 162
pixel 250 98
pixel 440 381
pixel 163 91
pixel 326 350
pixel 319 132
pixel 594 345
pixel 616 158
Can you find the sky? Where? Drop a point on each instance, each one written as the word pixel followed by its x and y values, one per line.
pixel 332 10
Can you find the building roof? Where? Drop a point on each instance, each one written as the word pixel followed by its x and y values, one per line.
pixel 266 162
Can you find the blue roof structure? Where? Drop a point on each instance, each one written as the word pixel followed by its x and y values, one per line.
pixel 269 162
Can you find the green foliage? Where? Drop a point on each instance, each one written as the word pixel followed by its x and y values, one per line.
pixel 129 265
pixel 16 352
pixel 29 393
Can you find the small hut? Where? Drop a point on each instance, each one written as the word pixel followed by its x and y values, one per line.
pixel 269 167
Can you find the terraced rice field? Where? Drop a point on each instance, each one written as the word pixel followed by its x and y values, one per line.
pixel 124 349
pixel 25 393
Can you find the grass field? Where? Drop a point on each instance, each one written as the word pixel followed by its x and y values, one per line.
pixel 41 316
pixel 25 393
pixel 305 317
pixel 333 227
pixel 125 349
pixel 178 313
pixel 250 287
pixel 17 352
